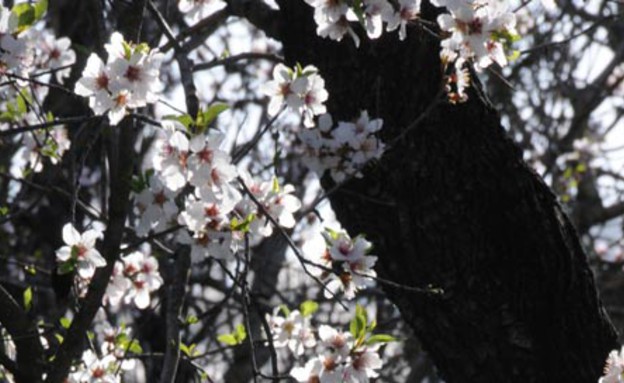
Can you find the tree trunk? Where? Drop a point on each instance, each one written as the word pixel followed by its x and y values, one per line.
pixel 458 209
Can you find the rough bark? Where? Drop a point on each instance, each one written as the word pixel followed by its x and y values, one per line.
pixel 461 211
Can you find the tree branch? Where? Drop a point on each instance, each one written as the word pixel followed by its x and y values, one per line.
pixel 26 338
pixel 185 65
pixel 175 302
pixel 120 176
pixel 258 13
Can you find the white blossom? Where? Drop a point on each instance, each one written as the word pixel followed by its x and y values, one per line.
pixel 302 89
pixel 292 331
pixel 614 368
pixel 81 248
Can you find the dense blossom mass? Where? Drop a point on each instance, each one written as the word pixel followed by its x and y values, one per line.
pixel 128 80
pixel 342 149
pixel 301 89
pixel 336 356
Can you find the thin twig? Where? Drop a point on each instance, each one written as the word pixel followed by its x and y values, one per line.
pixel 239 57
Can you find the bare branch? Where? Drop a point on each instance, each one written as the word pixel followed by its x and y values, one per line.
pixel 28 368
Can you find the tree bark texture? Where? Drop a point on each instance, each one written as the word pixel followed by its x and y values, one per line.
pixel 458 209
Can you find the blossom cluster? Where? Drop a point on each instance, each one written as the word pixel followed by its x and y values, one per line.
pixel 614 368
pixel 134 277
pixel 338 356
pixel 346 265
pixel 478 32
pixel 333 18
pixel 27 50
pixel 291 329
pixel 216 213
pixel 15 53
pixel 129 79
pixel 302 89
pixel 343 150
pixel 106 366
pixel 49 143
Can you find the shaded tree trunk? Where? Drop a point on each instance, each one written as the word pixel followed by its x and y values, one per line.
pixel 459 210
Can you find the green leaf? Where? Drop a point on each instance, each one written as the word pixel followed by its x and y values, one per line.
pixel 22 104
pixel 372 325
pixel 380 338
pixel 514 55
pixel 28 296
pixel 333 234
pixel 142 48
pixel 30 269
pixel 240 333
pixel 4 210
pixel 228 339
pixel 191 319
pixel 66 267
pixel 141 181
pixel 285 310
pixel 243 226
pixel 184 119
pixel 41 7
pixel 65 322
pixel 360 311
pixel 298 69
pixel 357 327
pixel 59 338
pixel 127 49
pixel 185 349
pixel 237 337
pixel 358 9
pixel 308 308
pixel 206 117
pixel 276 186
pixel 25 14
pixel 133 346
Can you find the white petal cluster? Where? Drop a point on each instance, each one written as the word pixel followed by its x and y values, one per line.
pixel 115 341
pixel 50 53
pixel 16 54
pixel 614 368
pixel 339 358
pixel 196 10
pixel 215 214
pixel 95 370
pixel 478 31
pixel 128 80
pixel 359 365
pixel 302 89
pixel 80 250
pixel 276 201
pixel 350 264
pixel 134 277
pixel 112 359
pixel 156 206
pixel 334 18
pixel 37 145
pixel 457 82
pixel 344 149
pixel 291 330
